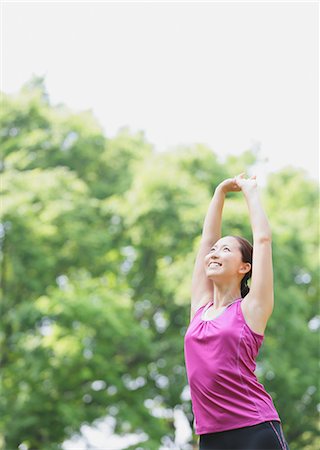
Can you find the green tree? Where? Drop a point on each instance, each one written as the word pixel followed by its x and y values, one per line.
pixel 98 241
pixel 35 134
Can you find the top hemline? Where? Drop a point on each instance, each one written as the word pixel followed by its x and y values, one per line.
pixel 198 433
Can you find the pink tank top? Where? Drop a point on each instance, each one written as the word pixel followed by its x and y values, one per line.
pixel 220 363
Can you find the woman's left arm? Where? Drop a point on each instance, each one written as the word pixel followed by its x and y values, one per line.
pixel 261 295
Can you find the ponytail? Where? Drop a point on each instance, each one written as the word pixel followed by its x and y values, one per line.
pixel 244 286
pixel 246 252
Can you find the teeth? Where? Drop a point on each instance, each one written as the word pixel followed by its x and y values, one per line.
pixel 214 264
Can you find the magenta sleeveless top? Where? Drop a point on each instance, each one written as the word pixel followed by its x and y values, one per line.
pixel 220 363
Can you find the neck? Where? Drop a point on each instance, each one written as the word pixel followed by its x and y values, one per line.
pixel 224 295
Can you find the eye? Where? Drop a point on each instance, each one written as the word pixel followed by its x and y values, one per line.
pixel 227 248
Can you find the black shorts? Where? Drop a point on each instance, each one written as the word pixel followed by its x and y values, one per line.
pixel 263 436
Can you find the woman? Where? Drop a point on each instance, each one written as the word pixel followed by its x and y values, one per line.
pixel 232 410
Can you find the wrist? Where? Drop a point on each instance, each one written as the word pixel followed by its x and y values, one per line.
pixel 221 188
pixel 250 191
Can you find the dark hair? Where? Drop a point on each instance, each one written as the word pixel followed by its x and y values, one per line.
pixel 246 252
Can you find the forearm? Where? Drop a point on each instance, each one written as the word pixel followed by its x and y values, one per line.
pixel 259 221
pixel 212 224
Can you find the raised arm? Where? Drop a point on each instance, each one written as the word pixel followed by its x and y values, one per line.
pixel 201 286
pixel 260 299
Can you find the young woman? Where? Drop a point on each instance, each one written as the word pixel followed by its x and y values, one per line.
pixel 232 409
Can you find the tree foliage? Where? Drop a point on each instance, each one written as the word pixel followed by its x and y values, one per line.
pixel 98 241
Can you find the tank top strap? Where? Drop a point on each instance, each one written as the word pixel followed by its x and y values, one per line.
pixel 207 306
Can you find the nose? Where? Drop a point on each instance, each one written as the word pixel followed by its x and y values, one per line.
pixel 212 254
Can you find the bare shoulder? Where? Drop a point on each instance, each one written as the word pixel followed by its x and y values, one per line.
pixel 255 316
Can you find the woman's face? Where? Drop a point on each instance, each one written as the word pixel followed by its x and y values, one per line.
pixel 225 259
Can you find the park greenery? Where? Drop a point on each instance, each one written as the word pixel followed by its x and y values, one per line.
pixel 98 240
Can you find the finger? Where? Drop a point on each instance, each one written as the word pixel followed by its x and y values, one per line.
pixel 239 178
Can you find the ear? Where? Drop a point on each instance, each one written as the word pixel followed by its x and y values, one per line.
pixel 245 268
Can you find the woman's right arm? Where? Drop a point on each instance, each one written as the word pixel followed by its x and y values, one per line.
pixel 201 286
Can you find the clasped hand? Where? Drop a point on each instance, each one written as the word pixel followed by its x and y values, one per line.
pixel 239 183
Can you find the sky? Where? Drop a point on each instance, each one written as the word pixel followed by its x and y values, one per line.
pixel 233 75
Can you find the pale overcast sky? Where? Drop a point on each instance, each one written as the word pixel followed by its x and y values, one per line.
pixel 232 75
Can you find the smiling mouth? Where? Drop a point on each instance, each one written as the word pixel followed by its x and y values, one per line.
pixel 215 264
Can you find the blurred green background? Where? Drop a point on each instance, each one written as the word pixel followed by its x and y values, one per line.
pixel 98 242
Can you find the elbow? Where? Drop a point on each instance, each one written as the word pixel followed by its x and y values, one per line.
pixel 263 238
